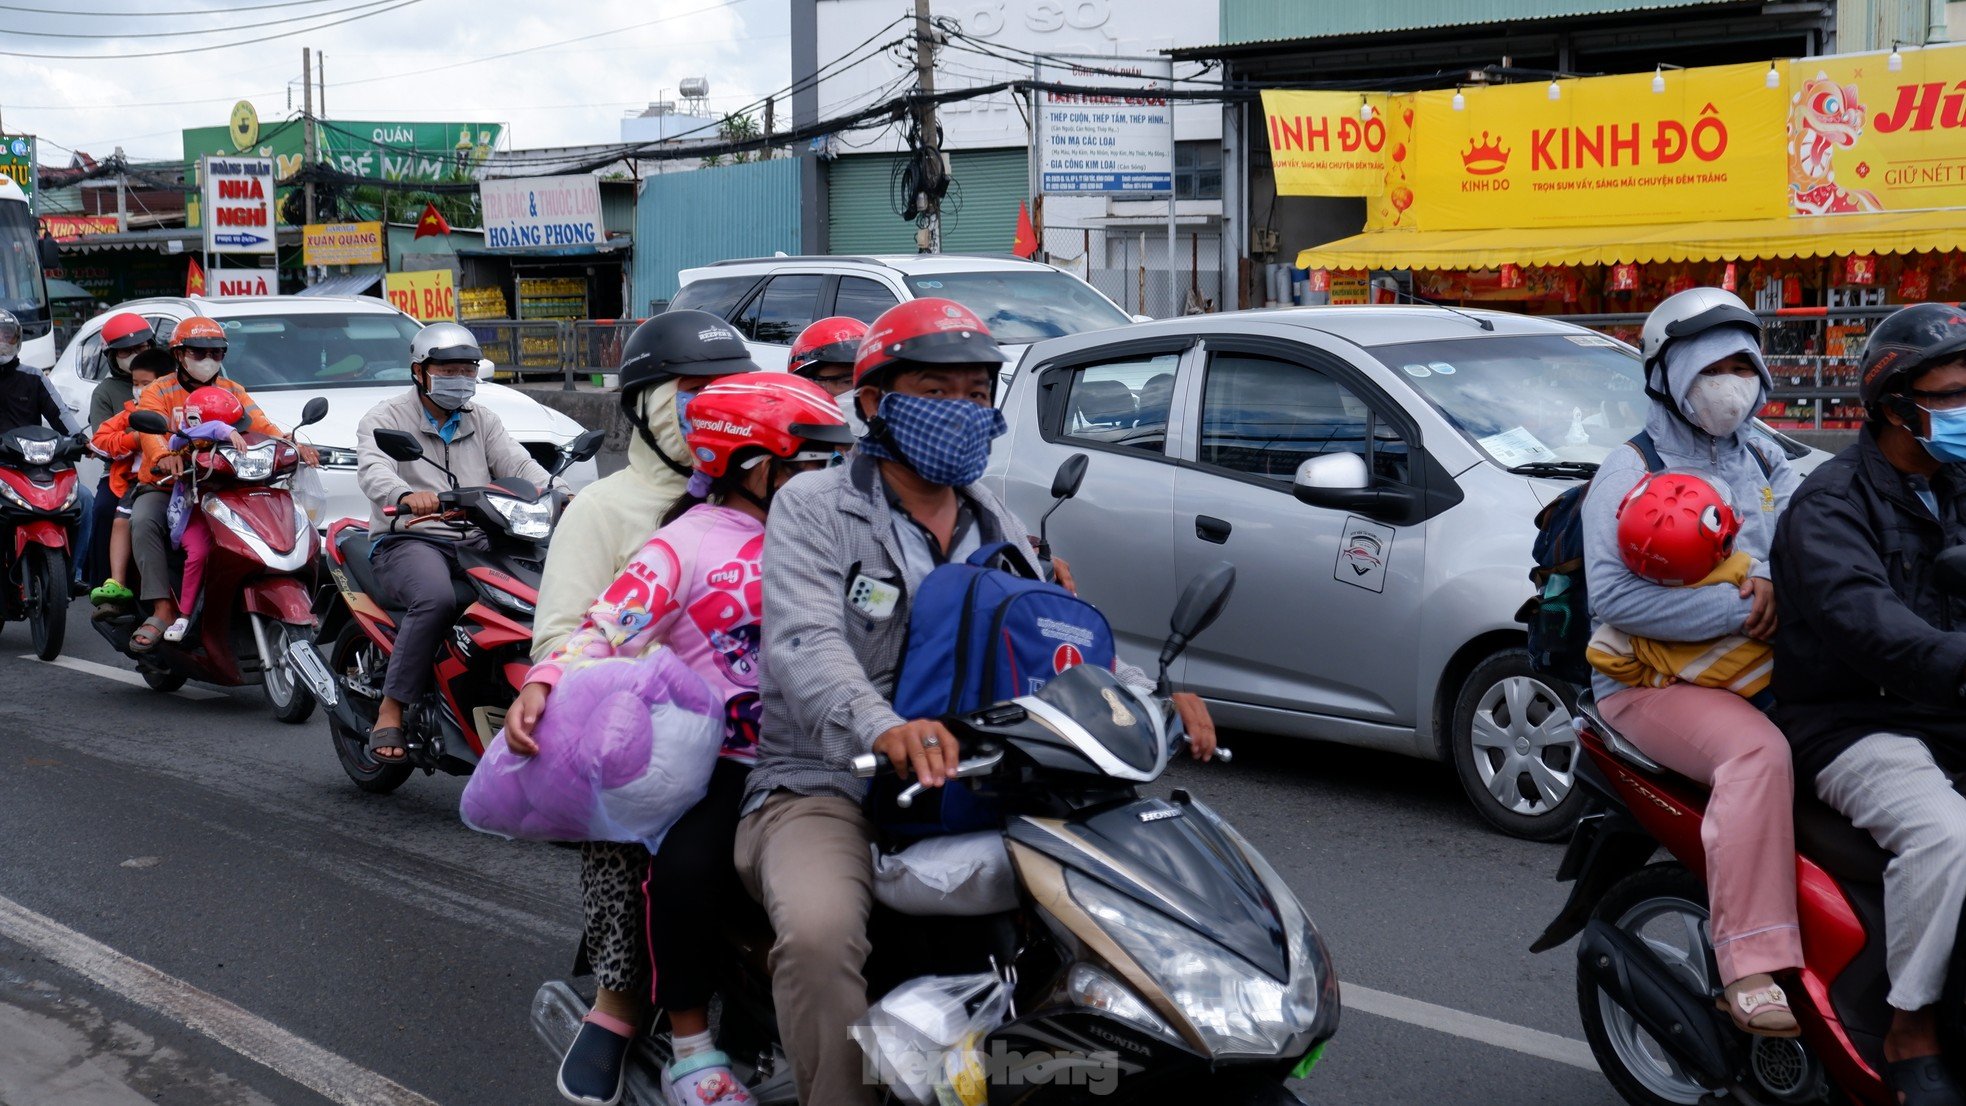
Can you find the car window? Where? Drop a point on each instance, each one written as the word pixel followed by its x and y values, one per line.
pixel 1024 305
pixel 313 350
pixel 89 362
pixel 717 295
pixel 788 305
pixel 1122 403
pixel 863 299
pixel 1265 417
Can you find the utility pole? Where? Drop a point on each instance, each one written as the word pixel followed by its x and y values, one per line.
pixel 122 192
pixel 929 154
pixel 321 81
pixel 307 123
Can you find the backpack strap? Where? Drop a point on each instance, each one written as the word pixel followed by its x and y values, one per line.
pixel 1642 442
pixel 1767 470
pixel 1001 555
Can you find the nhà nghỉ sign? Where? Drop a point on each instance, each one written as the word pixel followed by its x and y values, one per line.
pixel 231 283
pixel 341 244
pixel 239 194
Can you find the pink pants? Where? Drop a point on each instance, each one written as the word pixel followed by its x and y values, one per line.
pixel 1718 739
pixel 197 544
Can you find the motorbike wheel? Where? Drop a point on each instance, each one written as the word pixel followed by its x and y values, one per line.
pixel 290 699
pixel 45 585
pixel 161 680
pixel 353 658
pixel 1514 749
pixel 1665 906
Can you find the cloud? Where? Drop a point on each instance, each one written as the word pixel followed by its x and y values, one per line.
pixel 387 68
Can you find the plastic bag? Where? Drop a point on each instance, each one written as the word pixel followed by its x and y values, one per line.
pixel 925 1037
pixel 178 512
pixel 961 874
pixel 626 747
pixel 309 495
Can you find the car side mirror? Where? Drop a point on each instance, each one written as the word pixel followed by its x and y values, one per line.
pixel 486 369
pixel 1143 318
pixel 149 422
pixel 1341 482
pixel 315 411
pixel 1949 572
pixel 398 446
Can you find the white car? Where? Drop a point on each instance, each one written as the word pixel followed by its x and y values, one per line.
pixel 353 351
pixel 771 299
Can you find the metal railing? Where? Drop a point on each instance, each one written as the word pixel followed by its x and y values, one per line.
pixel 532 349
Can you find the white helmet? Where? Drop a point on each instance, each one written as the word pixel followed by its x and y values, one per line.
pixel 1691 312
pixel 444 342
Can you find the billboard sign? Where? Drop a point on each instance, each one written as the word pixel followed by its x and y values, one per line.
pixel 1108 144
pixel 239 197
pixel 524 213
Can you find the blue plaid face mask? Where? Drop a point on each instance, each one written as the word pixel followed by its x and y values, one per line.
pixel 946 441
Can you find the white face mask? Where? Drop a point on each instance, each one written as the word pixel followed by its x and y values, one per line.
pixel 123 361
pixel 1720 403
pixel 8 351
pixel 199 369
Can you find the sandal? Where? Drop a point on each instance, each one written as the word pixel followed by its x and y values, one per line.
pixel 1923 1081
pixel 701 1080
pixel 1759 1006
pixel 595 1070
pixel 177 631
pixel 387 737
pixel 148 635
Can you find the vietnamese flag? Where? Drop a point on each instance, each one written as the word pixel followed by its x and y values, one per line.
pixel 1026 243
pixel 194 279
pixel 431 223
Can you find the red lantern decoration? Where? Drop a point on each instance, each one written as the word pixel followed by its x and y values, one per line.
pixel 1320 280
pixel 1624 278
pixel 1511 276
pixel 1860 269
pixel 1914 284
pixel 1730 278
pixel 1791 291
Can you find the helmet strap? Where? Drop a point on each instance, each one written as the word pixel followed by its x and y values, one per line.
pixel 641 425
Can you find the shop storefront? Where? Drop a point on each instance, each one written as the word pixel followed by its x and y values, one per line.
pixel 1823 190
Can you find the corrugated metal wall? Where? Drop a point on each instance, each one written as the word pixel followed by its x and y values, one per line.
pixel 1262 20
pixel 1876 24
pixel 983 216
pixel 694 218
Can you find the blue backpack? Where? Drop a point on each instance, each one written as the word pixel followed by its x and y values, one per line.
pixel 980 632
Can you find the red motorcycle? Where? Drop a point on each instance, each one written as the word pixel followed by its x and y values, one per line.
pixel 39 501
pixel 1646 982
pixel 256 595
pixel 478 670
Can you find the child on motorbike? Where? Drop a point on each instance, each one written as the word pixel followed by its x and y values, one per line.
pixel 119 444
pixel 696 588
pixel 213 416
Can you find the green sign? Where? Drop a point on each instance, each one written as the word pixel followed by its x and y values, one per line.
pixel 17 161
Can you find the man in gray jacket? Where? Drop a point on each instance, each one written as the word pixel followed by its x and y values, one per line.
pixel 417 562
pixel 844 550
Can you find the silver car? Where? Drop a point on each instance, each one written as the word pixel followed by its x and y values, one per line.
pixel 1374 474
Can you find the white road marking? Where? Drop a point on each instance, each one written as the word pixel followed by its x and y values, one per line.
pixel 121 676
pixel 333 1077
pixel 1474 1027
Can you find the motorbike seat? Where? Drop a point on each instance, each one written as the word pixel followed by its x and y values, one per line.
pixel 1825 836
pixel 354 545
pixel 1620 747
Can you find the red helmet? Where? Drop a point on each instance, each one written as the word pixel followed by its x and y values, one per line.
pixel 830 341
pixel 787 416
pixel 126 331
pixel 1675 528
pixel 926 331
pixel 198 332
pixel 215 404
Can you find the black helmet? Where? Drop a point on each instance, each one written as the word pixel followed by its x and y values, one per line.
pixel 1907 341
pixel 680 343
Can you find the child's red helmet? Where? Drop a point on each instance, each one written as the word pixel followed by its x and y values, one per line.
pixel 830 341
pixel 215 405
pixel 928 331
pixel 786 416
pixel 1675 528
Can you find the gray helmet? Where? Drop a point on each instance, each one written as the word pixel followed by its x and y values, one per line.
pixel 10 335
pixel 444 342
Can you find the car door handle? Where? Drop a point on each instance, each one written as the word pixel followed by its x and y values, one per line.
pixel 1212 529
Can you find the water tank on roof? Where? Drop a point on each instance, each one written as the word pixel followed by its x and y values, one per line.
pixel 694 88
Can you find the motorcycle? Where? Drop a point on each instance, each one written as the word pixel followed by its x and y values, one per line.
pixel 39 501
pixel 481 666
pixel 1647 988
pixel 255 598
pixel 1153 952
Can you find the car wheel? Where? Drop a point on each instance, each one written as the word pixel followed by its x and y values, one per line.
pixel 1514 748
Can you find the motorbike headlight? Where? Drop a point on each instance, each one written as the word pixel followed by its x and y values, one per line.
pixel 74 495
pixel 38 453
pixel 532 521
pixel 334 457
pixel 251 464
pixel 14 498
pixel 1092 989
pixel 1238 1009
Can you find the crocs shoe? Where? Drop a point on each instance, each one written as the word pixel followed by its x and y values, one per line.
pixel 111 592
pixel 176 631
pixel 703 1080
pixel 595 1071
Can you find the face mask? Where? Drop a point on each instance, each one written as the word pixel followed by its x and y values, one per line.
pixel 1947 444
pixel 1719 404
pixel 452 392
pixel 849 405
pixel 946 441
pixel 123 363
pixel 8 351
pixel 199 369
pixel 682 406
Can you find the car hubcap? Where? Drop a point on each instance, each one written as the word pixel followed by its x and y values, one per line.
pixel 1525 749
pixel 1676 932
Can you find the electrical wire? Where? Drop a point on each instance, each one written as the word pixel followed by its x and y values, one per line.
pixel 396 4
pixel 200 31
pixel 146 15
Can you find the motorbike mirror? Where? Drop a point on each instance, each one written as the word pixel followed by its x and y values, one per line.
pixel 486 368
pixel 1070 475
pixel 149 422
pixel 398 445
pixel 1950 572
pixel 1200 605
pixel 587 445
pixel 315 411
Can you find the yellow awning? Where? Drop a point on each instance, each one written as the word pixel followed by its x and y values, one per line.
pixel 1740 240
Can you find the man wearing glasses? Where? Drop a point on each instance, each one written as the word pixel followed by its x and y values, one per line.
pixel 416 554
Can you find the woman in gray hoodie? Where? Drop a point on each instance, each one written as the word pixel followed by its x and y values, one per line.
pixel 1706 377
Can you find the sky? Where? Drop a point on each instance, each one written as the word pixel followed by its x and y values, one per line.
pixel 97 93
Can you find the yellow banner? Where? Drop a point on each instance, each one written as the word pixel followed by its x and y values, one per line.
pixel 1327 143
pixel 1606 151
pixel 429 296
pixel 341 244
pixel 1862 138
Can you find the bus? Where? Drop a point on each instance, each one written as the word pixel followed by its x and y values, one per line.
pixel 23 291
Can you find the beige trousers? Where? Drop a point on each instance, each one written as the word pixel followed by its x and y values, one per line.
pixel 806 859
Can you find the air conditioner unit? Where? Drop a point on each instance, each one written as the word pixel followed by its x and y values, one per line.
pixel 1263 240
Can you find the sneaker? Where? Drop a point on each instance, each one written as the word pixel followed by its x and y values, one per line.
pixel 111 592
pixel 703 1080
pixel 595 1071
pixel 176 631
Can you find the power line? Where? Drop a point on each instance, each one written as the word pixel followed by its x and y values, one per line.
pixel 146 15
pixel 203 49
pixel 202 30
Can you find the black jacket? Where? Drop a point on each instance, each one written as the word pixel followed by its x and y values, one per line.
pixel 1867 644
pixel 28 399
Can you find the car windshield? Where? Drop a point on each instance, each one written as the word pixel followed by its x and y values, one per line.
pixel 1528 399
pixel 311 350
pixel 1025 305
pixel 21 289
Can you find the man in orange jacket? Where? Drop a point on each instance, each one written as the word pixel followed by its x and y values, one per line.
pixel 198 345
